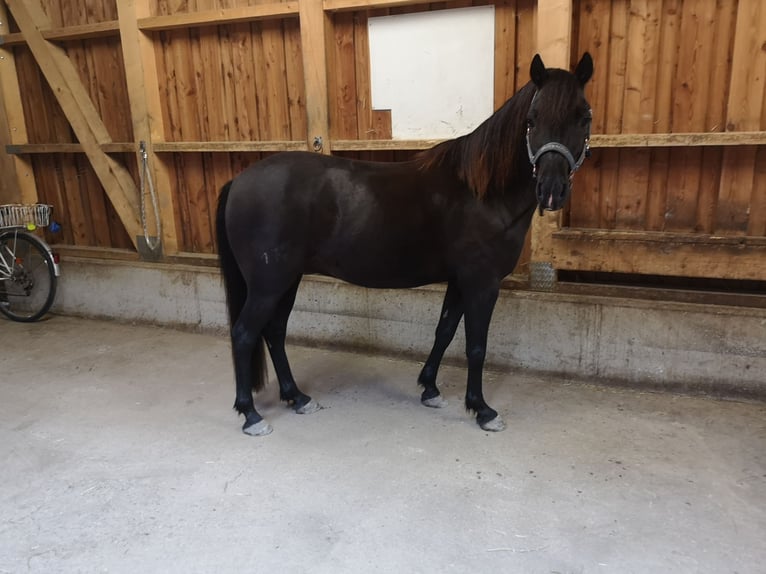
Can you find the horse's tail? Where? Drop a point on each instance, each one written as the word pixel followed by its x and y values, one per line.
pixel 236 287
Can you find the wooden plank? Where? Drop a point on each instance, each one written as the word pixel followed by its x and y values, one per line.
pixel 17 171
pixel 617 62
pixel 294 75
pixel 612 141
pixel 657 253
pixel 526 39
pixel 554 40
pixel 505 51
pixel 382 145
pixel 656 208
pixel 363 88
pixel 348 5
pixel 593 31
pixel 220 16
pixel 146 112
pixel 272 36
pixel 638 103
pixel 342 78
pixel 79 110
pixel 103 29
pixel 744 109
pixel 314 48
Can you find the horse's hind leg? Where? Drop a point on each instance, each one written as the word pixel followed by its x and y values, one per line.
pixel 275 332
pixel 249 369
pixel 452 312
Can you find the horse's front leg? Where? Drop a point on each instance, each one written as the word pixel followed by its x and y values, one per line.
pixel 452 312
pixel 479 305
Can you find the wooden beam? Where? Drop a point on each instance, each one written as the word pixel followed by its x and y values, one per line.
pixel 350 5
pixel 716 139
pixel 706 139
pixel 146 114
pixel 660 253
pixel 17 170
pixel 230 146
pixel 554 41
pixel 222 16
pixel 79 109
pixel 314 24
pixel 82 32
pixel 382 145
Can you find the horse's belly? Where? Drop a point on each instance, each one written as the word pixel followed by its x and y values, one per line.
pixel 381 268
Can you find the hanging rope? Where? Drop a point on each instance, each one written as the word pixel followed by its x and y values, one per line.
pixel 146 176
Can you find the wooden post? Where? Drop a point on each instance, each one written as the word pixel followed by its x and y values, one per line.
pixel 314 23
pixel 18 185
pixel 79 110
pixel 554 44
pixel 146 112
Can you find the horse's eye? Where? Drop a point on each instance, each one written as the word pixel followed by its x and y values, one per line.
pixel 530 123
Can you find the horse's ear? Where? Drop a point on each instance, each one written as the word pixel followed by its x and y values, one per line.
pixel 537 71
pixel 584 69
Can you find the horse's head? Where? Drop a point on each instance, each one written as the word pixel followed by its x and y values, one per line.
pixel 558 129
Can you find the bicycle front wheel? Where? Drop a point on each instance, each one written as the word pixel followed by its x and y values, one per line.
pixel 27 277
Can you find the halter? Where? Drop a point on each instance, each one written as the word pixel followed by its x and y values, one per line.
pixel 559 148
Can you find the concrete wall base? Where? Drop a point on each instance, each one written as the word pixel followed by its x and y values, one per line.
pixel 680 346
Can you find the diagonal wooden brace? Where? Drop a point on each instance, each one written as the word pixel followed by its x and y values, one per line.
pixel 82 115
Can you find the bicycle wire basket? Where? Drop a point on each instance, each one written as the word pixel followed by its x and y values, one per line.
pixel 18 215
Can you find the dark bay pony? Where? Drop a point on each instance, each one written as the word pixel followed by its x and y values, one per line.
pixel 457 213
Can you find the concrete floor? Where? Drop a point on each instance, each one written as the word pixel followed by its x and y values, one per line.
pixel 121 454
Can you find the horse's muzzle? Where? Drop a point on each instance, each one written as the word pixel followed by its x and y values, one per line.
pixel 552 193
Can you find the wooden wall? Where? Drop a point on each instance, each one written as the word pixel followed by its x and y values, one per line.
pixel 678 100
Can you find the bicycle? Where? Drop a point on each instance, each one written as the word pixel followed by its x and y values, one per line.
pixel 29 269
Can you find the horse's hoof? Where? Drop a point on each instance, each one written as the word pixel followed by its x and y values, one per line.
pixel 261 428
pixel 310 407
pixel 494 425
pixel 437 402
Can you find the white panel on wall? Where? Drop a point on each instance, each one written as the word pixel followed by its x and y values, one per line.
pixel 434 70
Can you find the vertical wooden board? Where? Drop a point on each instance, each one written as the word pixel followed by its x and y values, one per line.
pixel 736 190
pixel 201 85
pixel 50 191
pixel 316 49
pixel 616 69
pixel 744 112
pixel 683 189
pixel 159 43
pixel 526 39
pixel 712 158
pixel 756 225
pixel 187 97
pixel 618 47
pixel 342 90
pixel 294 76
pixel 213 86
pixel 261 83
pixel 669 24
pixel 70 172
pixel 505 51
pixel 240 83
pixel 94 203
pixel 720 71
pixel 168 97
pixel 272 35
pixel 364 121
pixel 638 106
pixel 592 36
pixel 199 209
pixel 34 104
